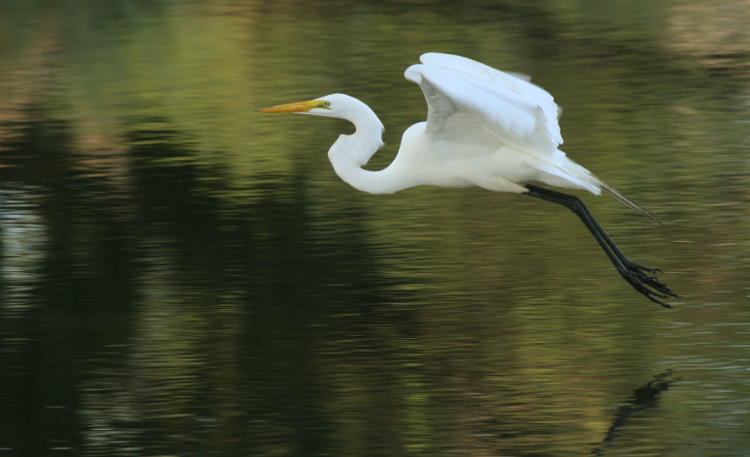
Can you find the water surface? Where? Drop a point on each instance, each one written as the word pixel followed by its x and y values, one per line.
pixel 182 276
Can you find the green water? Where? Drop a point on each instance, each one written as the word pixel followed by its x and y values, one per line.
pixel 182 276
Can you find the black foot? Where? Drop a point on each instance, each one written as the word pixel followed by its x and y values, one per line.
pixel 638 266
pixel 648 285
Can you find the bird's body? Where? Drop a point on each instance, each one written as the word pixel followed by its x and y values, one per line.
pixel 445 162
pixel 484 128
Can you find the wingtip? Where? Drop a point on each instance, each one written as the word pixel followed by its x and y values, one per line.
pixel 413 73
pixel 427 55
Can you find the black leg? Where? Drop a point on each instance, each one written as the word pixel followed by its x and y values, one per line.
pixel 635 274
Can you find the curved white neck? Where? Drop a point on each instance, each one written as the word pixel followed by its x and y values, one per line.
pixel 350 152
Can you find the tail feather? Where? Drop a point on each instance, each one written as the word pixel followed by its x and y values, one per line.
pixel 564 172
pixel 628 202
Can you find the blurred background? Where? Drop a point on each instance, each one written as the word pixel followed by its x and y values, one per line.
pixel 182 276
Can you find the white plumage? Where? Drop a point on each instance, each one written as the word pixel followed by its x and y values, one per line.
pixel 511 122
pixel 484 128
pixel 516 111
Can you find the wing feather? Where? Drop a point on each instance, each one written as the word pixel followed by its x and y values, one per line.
pixel 465 97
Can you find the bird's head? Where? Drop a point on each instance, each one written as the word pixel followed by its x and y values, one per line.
pixel 333 105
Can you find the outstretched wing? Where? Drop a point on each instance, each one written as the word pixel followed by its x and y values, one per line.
pixel 470 101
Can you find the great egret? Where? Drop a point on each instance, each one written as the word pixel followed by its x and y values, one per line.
pixel 484 128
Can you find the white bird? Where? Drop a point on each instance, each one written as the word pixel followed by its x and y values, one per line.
pixel 484 128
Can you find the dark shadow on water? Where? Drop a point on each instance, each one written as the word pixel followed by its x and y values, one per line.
pixel 643 398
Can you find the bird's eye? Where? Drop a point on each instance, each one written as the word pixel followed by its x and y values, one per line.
pixel 326 105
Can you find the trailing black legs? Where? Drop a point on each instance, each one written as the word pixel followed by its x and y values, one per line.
pixel 634 273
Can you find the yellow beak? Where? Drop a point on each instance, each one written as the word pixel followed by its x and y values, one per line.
pixel 298 107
